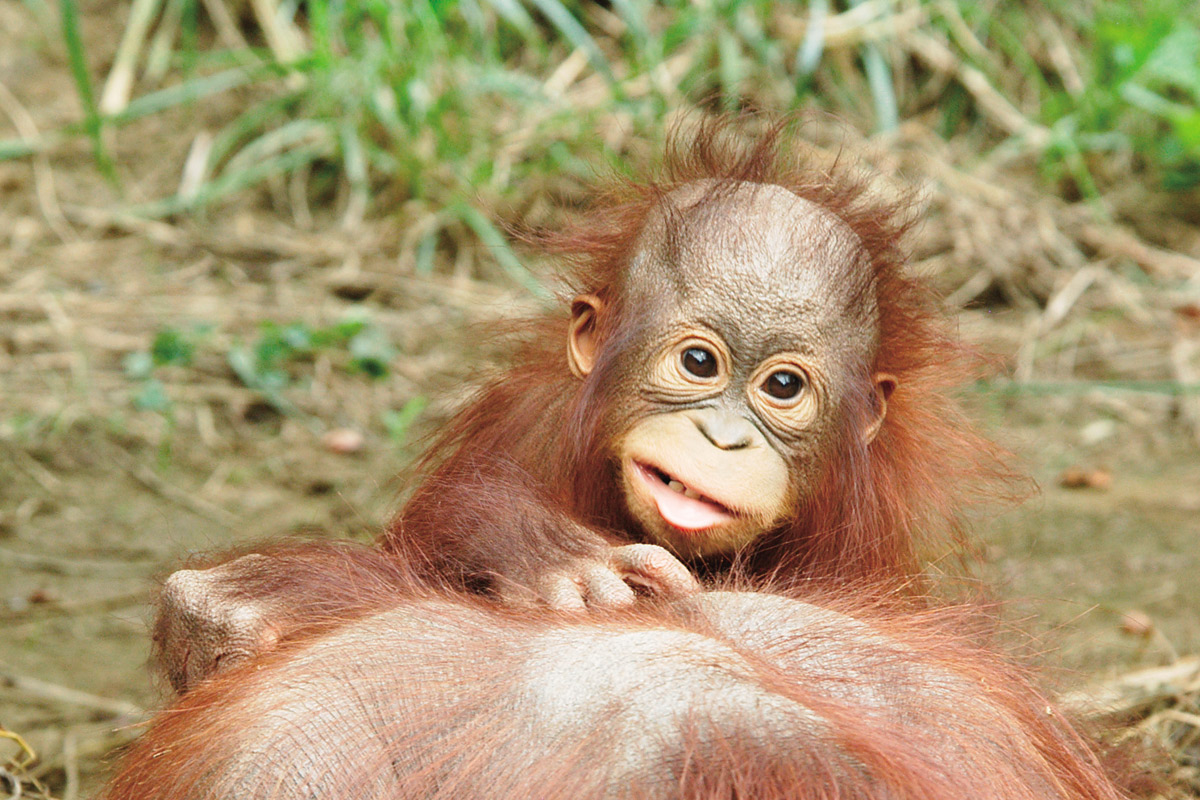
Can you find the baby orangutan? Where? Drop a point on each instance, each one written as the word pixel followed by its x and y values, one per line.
pixel 746 377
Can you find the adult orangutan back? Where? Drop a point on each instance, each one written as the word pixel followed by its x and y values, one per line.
pixel 720 695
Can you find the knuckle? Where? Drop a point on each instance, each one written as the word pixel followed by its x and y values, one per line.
pixel 566 601
pixel 651 557
pixel 561 591
pixel 182 585
pixel 599 573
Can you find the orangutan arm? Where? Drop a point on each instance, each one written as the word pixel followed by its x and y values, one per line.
pixel 487 525
pixel 211 618
pixel 477 530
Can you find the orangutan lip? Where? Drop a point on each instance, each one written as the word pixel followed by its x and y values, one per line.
pixel 693 511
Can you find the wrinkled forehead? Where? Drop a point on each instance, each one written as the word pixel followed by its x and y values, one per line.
pixel 758 261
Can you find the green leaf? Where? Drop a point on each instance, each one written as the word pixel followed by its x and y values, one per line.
pixel 152 397
pixel 398 423
pixel 372 352
pixel 1176 60
pixel 339 333
pixel 138 366
pixel 297 336
pixel 171 347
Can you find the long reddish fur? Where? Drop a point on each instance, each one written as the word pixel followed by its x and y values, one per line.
pixel 991 736
pixel 538 431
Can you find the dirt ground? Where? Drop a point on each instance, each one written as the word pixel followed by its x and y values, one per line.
pixel 98 497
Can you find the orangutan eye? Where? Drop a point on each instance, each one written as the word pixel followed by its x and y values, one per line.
pixel 783 385
pixel 699 362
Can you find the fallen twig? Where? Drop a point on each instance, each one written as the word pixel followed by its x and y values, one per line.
pixel 1116 241
pixel 102 605
pixel 69 566
pixel 1136 692
pixel 43 174
pixel 199 506
pixel 994 105
pixel 52 692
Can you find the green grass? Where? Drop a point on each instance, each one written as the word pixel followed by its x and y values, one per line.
pixel 270 365
pixel 455 110
pixel 1114 82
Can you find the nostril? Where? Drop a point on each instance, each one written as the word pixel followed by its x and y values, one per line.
pixel 723 435
pixel 739 444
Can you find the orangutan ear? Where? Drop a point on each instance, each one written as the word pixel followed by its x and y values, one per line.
pixel 885 384
pixel 583 341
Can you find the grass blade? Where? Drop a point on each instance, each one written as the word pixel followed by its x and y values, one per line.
pixel 516 15
pixel 731 69
pixel 231 183
pixel 193 90
pixel 566 24
pixel 808 55
pixel 494 241
pixel 879 78
pixel 93 123
pixel 20 148
pixel 635 20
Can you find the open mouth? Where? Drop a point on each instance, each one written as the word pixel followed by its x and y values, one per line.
pixel 679 504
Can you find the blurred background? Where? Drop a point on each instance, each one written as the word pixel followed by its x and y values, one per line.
pixel 248 247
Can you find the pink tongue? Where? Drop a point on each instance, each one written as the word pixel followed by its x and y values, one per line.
pixel 682 511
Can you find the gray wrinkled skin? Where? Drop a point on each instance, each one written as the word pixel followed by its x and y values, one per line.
pixel 769 270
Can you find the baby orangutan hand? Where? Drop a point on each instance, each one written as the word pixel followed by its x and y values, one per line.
pixel 207 622
pixel 607 580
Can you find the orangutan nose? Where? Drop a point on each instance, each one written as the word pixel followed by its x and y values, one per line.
pixel 725 430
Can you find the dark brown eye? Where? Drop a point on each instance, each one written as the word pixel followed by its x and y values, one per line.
pixel 699 362
pixel 783 385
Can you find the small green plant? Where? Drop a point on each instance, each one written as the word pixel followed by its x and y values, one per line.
pixel 266 364
pixel 170 347
pixel 399 423
pixel 269 364
pixel 1155 68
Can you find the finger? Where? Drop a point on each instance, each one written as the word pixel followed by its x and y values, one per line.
pixel 605 589
pixel 655 568
pixel 561 593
